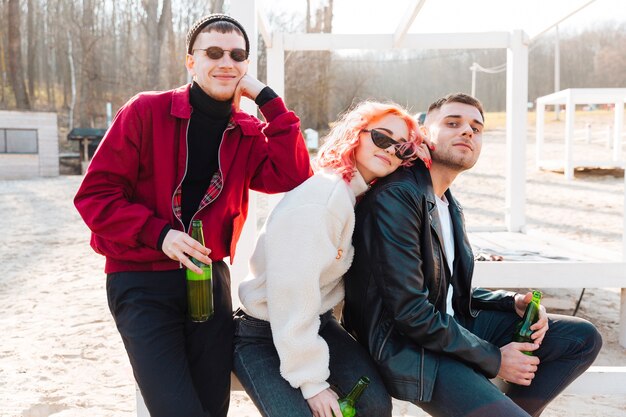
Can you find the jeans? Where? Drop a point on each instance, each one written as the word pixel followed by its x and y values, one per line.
pixel 568 349
pixel 182 368
pixel 256 364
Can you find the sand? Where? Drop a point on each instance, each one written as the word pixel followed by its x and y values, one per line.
pixel 62 356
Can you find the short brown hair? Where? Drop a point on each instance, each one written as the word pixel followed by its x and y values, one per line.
pixel 457 98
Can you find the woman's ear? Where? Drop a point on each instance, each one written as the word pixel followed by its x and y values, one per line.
pixel 423 131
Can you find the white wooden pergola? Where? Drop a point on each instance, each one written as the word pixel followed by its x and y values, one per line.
pixel 515 42
pixel 570 98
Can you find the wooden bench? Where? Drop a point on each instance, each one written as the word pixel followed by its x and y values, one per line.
pixel 546 262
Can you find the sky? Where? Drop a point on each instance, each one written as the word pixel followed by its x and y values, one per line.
pixel 440 16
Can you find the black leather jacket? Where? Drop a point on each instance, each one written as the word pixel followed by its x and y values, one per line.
pixel 396 288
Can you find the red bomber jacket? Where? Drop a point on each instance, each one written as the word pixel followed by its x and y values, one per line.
pixel 132 186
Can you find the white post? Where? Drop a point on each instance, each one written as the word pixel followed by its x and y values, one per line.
pixel 617 134
pixel 516 116
pixel 622 319
pixel 540 115
pixel 622 310
pixel 473 69
pixel 245 11
pixel 142 410
pixel 276 80
pixel 570 107
pixel 276 65
pixel 557 69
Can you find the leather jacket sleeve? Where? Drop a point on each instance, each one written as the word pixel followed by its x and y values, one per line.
pixel 403 267
pixel 500 300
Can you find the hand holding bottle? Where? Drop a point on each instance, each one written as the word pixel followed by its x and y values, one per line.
pixel 540 327
pixel 181 247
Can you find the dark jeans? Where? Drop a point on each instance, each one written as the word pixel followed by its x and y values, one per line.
pixel 182 368
pixel 568 349
pixel 256 364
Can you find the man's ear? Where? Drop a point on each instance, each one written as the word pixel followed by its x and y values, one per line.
pixel 189 64
pixel 423 131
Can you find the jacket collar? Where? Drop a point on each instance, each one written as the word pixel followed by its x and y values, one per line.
pixel 181 107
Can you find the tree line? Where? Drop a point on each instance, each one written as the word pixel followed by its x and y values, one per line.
pixel 74 56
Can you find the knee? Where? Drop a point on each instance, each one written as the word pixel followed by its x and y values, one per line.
pixel 592 340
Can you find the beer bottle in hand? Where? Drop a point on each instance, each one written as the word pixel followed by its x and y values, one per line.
pixel 531 315
pixel 199 286
pixel 347 404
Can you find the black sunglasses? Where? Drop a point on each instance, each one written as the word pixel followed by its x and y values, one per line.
pixel 215 52
pixel 383 142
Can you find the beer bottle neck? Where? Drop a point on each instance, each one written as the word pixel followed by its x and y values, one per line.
pixel 356 392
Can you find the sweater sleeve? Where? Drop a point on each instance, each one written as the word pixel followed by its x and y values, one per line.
pixel 301 244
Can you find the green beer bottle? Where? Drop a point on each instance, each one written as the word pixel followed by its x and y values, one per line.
pixel 199 286
pixel 531 315
pixel 347 404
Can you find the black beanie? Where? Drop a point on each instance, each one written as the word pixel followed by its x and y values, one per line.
pixel 206 20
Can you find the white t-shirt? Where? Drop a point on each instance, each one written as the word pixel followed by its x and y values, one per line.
pixel 448 243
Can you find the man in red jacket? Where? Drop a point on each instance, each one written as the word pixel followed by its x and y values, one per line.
pixel 170 157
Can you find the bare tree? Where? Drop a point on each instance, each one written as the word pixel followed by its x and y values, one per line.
pixel 16 71
pixel 217 6
pixel 156 26
pixel 31 51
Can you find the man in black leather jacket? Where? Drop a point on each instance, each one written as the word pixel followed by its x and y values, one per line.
pixel 409 299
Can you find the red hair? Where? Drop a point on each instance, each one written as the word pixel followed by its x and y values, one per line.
pixel 339 149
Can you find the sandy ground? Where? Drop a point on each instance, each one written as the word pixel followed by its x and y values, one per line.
pixel 62 356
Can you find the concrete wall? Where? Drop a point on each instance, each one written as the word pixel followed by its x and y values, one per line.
pixel 43 164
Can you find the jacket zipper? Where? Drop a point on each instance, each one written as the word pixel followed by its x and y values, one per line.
pixel 441 277
pixel 471 271
pixel 421 396
pixel 380 351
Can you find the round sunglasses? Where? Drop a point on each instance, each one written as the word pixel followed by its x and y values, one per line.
pixel 384 141
pixel 215 52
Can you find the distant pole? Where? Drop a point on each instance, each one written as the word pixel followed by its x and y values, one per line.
pixel 473 68
pixel 557 70
pixel 109 114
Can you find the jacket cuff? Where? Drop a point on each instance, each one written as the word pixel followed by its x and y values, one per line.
pixel 151 231
pixel 273 108
pixel 311 389
pixel 166 229
pixel 266 95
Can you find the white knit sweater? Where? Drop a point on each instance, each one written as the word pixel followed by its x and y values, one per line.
pixel 300 257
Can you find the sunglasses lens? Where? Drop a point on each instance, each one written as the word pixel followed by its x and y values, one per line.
pixel 214 52
pixel 238 55
pixel 383 142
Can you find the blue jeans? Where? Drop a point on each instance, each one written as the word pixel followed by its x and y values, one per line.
pixel 256 364
pixel 568 349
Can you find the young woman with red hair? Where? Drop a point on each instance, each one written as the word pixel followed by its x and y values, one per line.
pixel 291 354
